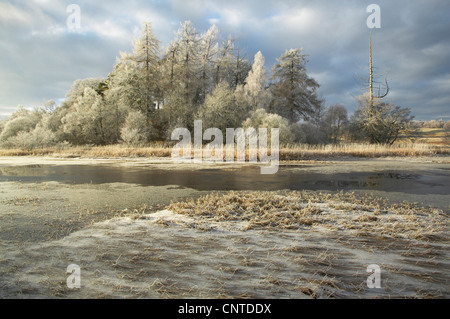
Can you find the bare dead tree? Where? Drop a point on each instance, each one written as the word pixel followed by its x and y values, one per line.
pixel 380 122
pixel 372 76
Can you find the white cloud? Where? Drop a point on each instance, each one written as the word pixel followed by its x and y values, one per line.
pixel 40 57
pixel 108 29
pixel 298 19
pixel 9 14
pixel 233 17
pixel 214 21
pixel 51 30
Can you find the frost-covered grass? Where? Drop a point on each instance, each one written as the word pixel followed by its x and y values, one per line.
pixel 297 209
pixel 244 245
pixel 287 152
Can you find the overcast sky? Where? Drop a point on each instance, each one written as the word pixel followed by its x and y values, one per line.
pixel 40 57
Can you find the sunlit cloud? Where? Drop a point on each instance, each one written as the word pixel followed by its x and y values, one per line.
pixel 41 57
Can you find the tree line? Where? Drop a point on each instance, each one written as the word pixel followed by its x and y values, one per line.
pixel 198 76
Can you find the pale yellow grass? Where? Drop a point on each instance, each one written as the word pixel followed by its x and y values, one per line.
pixel 335 212
pixel 287 152
pixel 433 136
pixel 293 152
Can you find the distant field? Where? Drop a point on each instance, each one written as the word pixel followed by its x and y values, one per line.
pixel 433 136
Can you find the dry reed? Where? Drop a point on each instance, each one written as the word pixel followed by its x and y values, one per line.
pixel 287 152
pixel 295 209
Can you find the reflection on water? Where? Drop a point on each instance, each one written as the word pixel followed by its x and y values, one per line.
pixel 341 184
pixel 245 178
pixel 396 175
pixel 28 170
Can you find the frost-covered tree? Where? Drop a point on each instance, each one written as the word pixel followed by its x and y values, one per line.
pixel 294 92
pixel 116 112
pixel 136 129
pixel 55 124
pixel 27 129
pixel 209 48
pixel 169 65
pixel 15 125
pixel 22 120
pixel 90 121
pixel 184 59
pixel 137 74
pixel 23 140
pixel 261 119
pixel 136 83
pixel 49 107
pixel 243 106
pixel 77 117
pixel 256 82
pixel 36 138
pixel 240 70
pixel 189 61
pixel 194 77
pixel 77 89
pixel 221 109
pixel 2 126
pixel 224 62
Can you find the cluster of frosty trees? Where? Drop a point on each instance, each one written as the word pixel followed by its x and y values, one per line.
pixel 152 91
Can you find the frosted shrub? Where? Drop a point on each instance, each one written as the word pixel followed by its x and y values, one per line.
pixel 135 130
pixel 16 125
pixel 37 138
pixel 261 119
pixel 43 137
pixel 131 136
pixel 221 108
pixel 22 140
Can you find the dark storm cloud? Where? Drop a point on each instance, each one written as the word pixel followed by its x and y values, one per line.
pixel 40 58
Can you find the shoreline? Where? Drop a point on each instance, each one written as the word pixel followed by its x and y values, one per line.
pixel 291 152
pixel 163 172
pixel 89 160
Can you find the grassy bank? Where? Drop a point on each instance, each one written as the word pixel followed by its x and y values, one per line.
pixel 287 152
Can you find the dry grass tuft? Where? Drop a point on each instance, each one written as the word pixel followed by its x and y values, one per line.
pixel 363 215
pixel 21 201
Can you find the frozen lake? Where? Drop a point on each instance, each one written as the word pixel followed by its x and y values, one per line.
pixel 403 180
